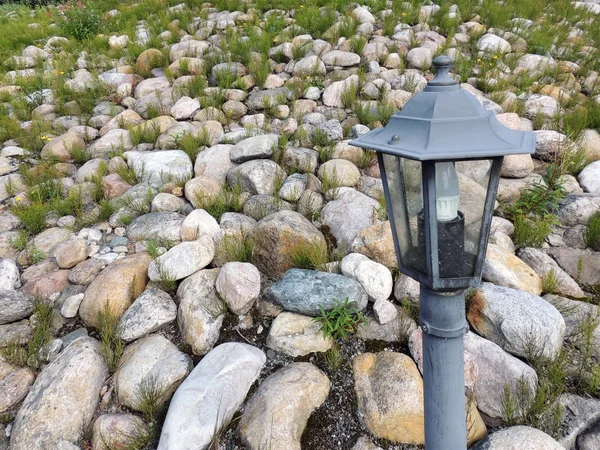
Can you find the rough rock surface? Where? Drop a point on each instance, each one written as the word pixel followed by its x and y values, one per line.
pixel 210 396
pixel 285 400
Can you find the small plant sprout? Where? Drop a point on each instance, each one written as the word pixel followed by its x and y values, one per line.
pixel 341 321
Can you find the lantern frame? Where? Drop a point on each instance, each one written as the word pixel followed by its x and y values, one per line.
pixel 444 123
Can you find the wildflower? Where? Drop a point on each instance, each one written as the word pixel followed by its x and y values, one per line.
pixel 19 198
pixel 478 59
pixel 308 77
pixel 61 72
pixel 301 6
pixel 495 56
pixel 403 13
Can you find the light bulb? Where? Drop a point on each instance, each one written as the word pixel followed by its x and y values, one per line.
pixel 447 191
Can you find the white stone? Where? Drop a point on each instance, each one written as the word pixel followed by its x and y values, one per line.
pixel 238 284
pixel 160 167
pixel 491 43
pixel 184 259
pixel 70 307
pixel 9 275
pixel 589 178
pixel 185 108
pixel 384 311
pixel 210 396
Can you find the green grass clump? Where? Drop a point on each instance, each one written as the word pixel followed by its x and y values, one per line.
pixel 235 248
pixel 42 333
pixel 341 321
pixel 228 200
pixel 308 255
pixel 592 235
pixel 111 345
pixel 81 22
pixel 549 282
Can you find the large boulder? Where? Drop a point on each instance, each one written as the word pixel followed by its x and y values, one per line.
pixel 63 399
pixel 148 313
pixel 349 203
pixel 521 323
pixel 377 243
pixel 209 397
pixel 519 438
pixel 156 225
pixel 201 311
pixel 276 415
pixel 115 288
pixel 257 176
pixel 282 235
pixel 505 269
pixel 184 259
pixel 238 284
pixel 15 305
pixel 489 370
pixel 151 366
pixel 255 147
pixel 306 291
pixel 159 167
pixel 580 264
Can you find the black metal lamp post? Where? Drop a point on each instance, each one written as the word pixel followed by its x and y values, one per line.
pixel 440 233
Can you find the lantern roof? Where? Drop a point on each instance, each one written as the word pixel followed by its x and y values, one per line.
pixel 444 122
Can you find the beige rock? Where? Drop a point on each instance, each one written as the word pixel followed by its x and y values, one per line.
pixel 116 287
pixel 71 253
pixel 61 146
pixel 14 385
pixel 117 431
pixel 505 269
pixel 202 190
pixel 590 141
pixel 276 415
pixel 149 59
pixel 297 335
pixel 113 186
pixel 390 396
pixel 377 243
pixel 278 236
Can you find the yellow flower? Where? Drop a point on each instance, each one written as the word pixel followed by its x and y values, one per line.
pixel 61 72
pixel 495 56
pixel 403 13
pixel 19 198
pixel 478 59
pixel 308 77
pixel 301 6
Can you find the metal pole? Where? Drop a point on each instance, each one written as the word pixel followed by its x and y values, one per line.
pixel 442 317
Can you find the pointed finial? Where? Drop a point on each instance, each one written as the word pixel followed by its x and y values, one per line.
pixel 443 64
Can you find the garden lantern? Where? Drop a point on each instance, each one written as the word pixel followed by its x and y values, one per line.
pixel 440 222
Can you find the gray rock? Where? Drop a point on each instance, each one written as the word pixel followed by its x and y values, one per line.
pixel 158 225
pixel 580 264
pixel 541 104
pixel 284 402
pixel 152 364
pixel 255 147
pixel 238 284
pixel 349 203
pixel 112 431
pixel 214 161
pixel 419 58
pixel 397 329
pixel 201 312
pixel 384 311
pixel 63 399
pixel 521 323
pixel 576 209
pixel 293 187
pixel 15 333
pixel 262 205
pixel 85 272
pixel 332 96
pixel 256 101
pixel 9 275
pixel 309 66
pixel 365 443
pixel 15 305
pixel 577 315
pixel 589 178
pixel 545 266
pixel 185 108
pixel 490 43
pixel 210 396
pixel 518 438
pixel 339 58
pixel 297 335
pixel 70 307
pixel 184 259
pixel 112 141
pixel 580 417
pixel 303 291
pixel 160 167
pixel 488 370
pixel 14 385
pixel 148 313
pixel 257 176
pixel 199 222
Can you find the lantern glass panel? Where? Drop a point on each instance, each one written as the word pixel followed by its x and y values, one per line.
pixel 404 181
pixel 461 190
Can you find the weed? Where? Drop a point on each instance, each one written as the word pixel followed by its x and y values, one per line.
pixel 111 345
pixel 330 183
pixel 167 280
pixel 42 332
pixel 530 232
pixel 15 354
pixel 20 241
pixel 308 255
pixel 228 200
pixel 341 321
pixel 81 21
pixel 235 247
pixel 592 235
pixel 33 217
pixel 549 282
pixel 334 358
